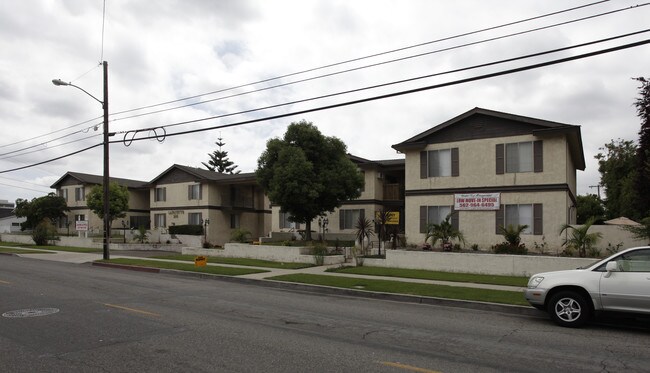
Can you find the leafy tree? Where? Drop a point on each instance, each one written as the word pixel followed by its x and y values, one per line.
pixel 219 161
pixel 307 174
pixel 589 206
pixel 118 201
pixel 643 150
pixel 445 232
pixel 44 232
pixel 49 207
pixel 579 238
pixel 640 232
pixel 617 167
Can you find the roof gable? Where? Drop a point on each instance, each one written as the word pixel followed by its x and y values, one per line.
pixel 183 174
pixel 481 123
pixel 78 178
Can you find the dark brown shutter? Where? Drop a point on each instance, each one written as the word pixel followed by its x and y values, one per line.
pixel 423 165
pixel 500 159
pixel 189 192
pixel 454 162
pixel 362 213
pixel 454 218
pixel 538 156
pixel 341 219
pixel 423 219
pixel 538 219
pixel 498 220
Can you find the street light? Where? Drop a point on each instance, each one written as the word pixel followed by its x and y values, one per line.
pixel 104 103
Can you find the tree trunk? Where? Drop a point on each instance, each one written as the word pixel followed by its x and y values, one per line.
pixel 308 230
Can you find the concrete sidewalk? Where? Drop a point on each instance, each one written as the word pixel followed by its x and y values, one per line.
pixel 79 258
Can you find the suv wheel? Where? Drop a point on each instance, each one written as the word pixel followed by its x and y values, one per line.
pixel 569 309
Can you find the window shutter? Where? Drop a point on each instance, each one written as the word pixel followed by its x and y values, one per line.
pixel 200 191
pixel 341 219
pixel 454 218
pixel 538 219
pixel 423 165
pixel 498 221
pixel 362 214
pixel 538 156
pixel 189 192
pixel 164 194
pixel 500 159
pixel 423 219
pixel 454 162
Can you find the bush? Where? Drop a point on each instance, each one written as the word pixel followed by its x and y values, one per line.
pixel 507 248
pixel 239 235
pixel 319 251
pixel 188 229
pixel 43 233
pixel 475 247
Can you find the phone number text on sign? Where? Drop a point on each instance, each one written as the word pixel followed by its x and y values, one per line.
pixel 477 201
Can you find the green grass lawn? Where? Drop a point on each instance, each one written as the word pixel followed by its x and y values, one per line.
pixel 51 247
pixel 398 287
pixel 22 251
pixel 216 270
pixel 238 261
pixel 435 275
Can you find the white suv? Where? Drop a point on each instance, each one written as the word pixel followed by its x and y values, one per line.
pixel 618 283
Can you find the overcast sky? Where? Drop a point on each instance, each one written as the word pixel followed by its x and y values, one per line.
pixel 166 50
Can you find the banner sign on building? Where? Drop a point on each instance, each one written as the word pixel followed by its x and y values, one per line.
pixel 393 218
pixel 477 201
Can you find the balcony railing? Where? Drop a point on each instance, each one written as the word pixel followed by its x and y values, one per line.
pixel 393 192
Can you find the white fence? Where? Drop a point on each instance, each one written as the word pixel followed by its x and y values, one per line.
pixel 288 254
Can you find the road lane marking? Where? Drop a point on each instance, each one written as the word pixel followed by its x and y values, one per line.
pixel 5 282
pixel 407 367
pixel 132 310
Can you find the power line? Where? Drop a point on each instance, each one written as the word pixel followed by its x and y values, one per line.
pixel 366 57
pixel 330 65
pixel 46 142
pixel 368 99
pixel 21 181
pixel 52 146
pixel 15 186
pixel 360 67
pixel 134 132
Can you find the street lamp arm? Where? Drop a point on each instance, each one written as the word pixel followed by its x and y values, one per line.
pixel 59 82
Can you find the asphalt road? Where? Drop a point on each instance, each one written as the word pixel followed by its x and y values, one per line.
pixel 112 320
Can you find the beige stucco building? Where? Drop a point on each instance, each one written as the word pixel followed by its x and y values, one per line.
pixel 489 169
pixel 75 186
pixel 184 195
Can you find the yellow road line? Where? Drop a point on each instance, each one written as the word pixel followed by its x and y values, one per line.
pixel 407 367
pixel 5 282
pixel 132 310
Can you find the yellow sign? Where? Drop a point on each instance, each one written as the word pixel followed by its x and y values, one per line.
pixel 200 261
pixel 393 218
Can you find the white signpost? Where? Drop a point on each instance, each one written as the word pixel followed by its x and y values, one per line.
pixel 81 226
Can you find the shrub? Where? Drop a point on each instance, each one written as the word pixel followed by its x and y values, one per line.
pixel 319 251
pixel 507 248
pixel 188 229
pixel 43 233
pixel 239 235
pixel 141 235
pixel 474 247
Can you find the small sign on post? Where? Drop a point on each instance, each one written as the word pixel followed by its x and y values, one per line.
pixel 200 261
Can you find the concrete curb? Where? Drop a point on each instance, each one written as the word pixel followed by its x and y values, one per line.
pixel 320 289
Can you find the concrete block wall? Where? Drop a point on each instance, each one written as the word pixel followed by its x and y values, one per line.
pixel 288 254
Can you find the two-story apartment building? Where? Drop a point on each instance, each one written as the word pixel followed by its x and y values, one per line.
pixel 184 195
pixel 383 190
pixel 490 169
pixel 75 186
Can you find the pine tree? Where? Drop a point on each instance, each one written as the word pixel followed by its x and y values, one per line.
pixel 219 161
pixel 643 150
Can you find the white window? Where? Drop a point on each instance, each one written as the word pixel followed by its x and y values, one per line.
pixel 520 215
pixel 285 223
pixel 160 194
pixel 63 193
pixel 437 214
pixel 349 218
pixel 159 220
pixel 194 191
pixel 519 157
pixel 79 194
pixel 194 218
pixel 63 222
pixel 439 163
pixel 80 217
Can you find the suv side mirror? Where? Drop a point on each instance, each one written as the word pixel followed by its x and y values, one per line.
pixel 611 267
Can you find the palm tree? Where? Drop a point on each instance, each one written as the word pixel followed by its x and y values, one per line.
pixel 579 238
pixel 364 230
pixel 512 233
pixel 445 232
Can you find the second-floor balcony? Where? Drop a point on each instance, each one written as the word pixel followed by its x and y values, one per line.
pixel 393 192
